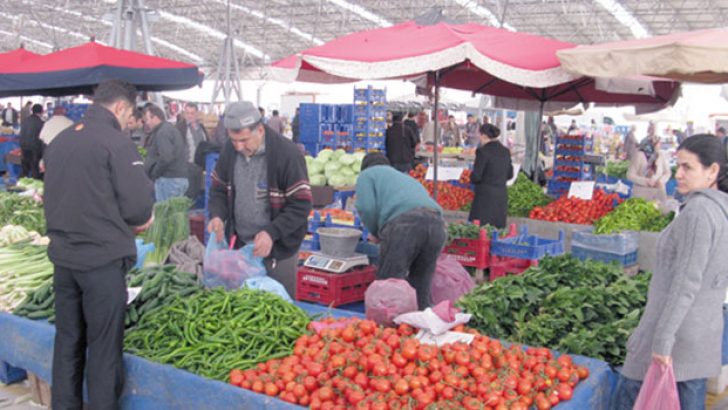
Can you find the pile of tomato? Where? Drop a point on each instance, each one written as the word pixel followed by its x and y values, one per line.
pixel 577 211
pixel 365 366
pixel 449 196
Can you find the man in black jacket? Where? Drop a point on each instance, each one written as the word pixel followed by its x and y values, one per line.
pixel 31 146
pixel 400 143
pixel 193 133
pixel 166 162
pixel 260 193
pixel 97 198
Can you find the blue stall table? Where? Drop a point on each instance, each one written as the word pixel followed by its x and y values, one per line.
pixel 28 344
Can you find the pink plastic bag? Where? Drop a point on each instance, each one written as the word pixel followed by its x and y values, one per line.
pixel 389 298
pixel 450 280
pixel 659 390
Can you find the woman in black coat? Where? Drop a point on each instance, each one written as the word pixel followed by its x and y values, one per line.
pixel 491 171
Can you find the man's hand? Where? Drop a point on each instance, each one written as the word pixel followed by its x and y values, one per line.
pixel 262 244
pixel 217 227
pixel 139 229
pixel 663 360
pixel 373 239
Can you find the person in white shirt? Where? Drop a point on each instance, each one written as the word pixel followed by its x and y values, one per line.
pixel 57 123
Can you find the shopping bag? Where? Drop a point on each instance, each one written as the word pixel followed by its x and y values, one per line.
pixel 143 249
pixel 268 284
pixel 228 267
pixel 659 389
pixel 450 281
pixel 386 299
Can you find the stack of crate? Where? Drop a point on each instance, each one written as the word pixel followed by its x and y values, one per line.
pixel 370 119
pixel 569 164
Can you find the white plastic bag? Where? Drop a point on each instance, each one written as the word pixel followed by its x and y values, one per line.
pixel 268 284
pixel 428 320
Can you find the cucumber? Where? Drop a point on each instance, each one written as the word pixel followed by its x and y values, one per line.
pixel 41 314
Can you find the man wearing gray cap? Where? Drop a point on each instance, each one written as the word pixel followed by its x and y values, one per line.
pixel 260 193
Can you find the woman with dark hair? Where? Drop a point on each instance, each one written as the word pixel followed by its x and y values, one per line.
pixel 682 325
pixel 491 171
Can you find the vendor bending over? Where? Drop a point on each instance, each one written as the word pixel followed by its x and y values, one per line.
pixel 398 212
pixel 649 166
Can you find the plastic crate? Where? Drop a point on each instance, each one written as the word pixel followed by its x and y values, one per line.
pixel 333 289
pixel 327 222
pixel 588 253
pixel 344 113
pixel 474 253
pixel 197 225
pixel 316 113
pixel 570 141
pixel 570 152
pixel 370 95
pixel 558 188
pixel 502 266
pixel 525 246
pixel 608 183
pixel 10 374
pixel 621 243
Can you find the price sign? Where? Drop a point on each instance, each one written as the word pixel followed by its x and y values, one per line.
pixel 132 293
pixel 582 190
pixel 444 173
pixel 516 169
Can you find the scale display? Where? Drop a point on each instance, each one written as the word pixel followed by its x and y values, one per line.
pixel 335 265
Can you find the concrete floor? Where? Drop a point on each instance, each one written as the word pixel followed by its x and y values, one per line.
pixel 17 397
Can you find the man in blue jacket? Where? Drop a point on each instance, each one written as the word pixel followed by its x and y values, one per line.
pixel 399 213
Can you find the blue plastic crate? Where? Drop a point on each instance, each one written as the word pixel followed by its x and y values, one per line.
pixel 344 113
pixel 10 374
pixel 565 141
pixel 525 246
pixel 571 152
pixel 558 188
pixel 571 174
pixel 671 187
pixel 316 113
pixel 5 148
pixel 309 136
pixel 607 257
pixel 370 94
pixel 564 163
pixel 608 184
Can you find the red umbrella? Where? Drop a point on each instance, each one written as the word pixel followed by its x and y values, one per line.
pixel 516 66
pixel 468 57
pixel 78 69
pixel 17 56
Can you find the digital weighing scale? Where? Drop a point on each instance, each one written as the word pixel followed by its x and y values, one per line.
pixel 324 262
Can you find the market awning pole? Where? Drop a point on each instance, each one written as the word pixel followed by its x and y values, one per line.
pixel 538 142
pixel 437 133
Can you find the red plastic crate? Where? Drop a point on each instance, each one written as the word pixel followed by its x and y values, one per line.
pixel 474 252
pixel 501 266
pixel 197 225
pixel 334 289
pixel 470 252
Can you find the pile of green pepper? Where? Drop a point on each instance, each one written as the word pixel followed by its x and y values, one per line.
pixel 524 195
pixel 214 331
pixel 634 214
pixel 588 308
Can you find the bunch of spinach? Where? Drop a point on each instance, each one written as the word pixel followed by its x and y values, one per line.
pixel 588 308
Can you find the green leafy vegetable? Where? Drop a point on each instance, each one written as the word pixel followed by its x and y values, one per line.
pixel 634 214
